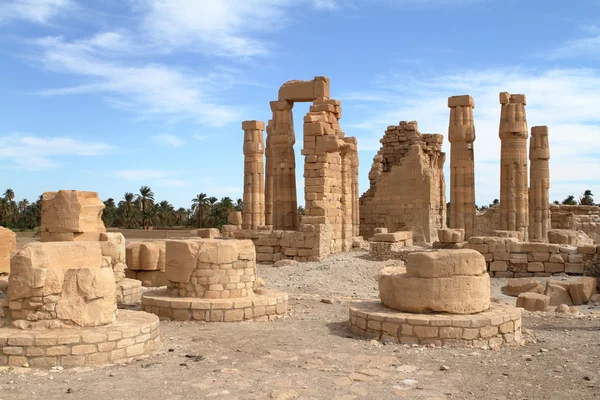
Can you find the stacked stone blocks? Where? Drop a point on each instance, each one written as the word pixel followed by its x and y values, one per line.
pixel 508 257
pixel 213 281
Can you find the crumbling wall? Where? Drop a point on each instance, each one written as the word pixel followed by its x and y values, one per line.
pixel 407 189
pixel 577 218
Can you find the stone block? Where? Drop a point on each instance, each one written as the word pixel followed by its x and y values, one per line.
pixel 533 301
pixel 8 247
pixel 582 289
pixel 445 263
pixel 392 237
pixel 516 286
pixel 71 211
pixel 558 293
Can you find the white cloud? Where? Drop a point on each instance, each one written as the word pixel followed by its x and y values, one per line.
pixel 170 140
pixel 217 27
pixel 147 88
pixel 563 99
pixel 38 11
pixel 152 177
pixel 30 152
pixel 588 46
pixel 325 4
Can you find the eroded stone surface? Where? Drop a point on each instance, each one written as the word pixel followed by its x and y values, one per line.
pixel 407 188
pixel 453 281
pixel 8 247
pixel 63 281
pixel 71 212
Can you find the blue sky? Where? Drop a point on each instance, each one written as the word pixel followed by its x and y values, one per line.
pixel 110 95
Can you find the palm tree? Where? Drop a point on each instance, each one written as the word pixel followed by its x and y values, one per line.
pixel 569 200
pixel 181 216
pixel 239 205
pixel 145 201
pixel 9 194
pixel 165 213
pixel 23 204
pixel 587 199
pixel 127 208
pixel 200 206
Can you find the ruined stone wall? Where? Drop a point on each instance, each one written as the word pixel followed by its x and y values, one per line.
pixel 487 221
pixel 579 218
pixel 310 243
pixel 507 257
pixel 407 189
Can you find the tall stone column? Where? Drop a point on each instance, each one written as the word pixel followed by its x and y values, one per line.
pixel 283 167
pixel 514 204
pixel 269 178
pixel 461 134
pixel 539 189
pixel 253 214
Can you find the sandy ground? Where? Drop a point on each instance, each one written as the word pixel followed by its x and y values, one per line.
pixel 312 355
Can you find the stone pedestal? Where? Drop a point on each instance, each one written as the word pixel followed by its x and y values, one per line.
pixel 514 204
pixel 212 280
pixel 60 306
pixel 539 189
pixel 440 298
pixel 461 134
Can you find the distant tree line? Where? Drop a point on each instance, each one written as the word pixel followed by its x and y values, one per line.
pixel 142 211
pixel 133 211
pixel 20 215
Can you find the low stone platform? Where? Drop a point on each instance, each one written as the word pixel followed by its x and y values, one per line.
pixel 265 307
pixel 501 324
pixel 135 333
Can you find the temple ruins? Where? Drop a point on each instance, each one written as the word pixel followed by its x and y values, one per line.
pixel 407 190
pixel 331 179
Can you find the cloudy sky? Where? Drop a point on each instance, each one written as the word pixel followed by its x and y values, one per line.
pixel 110 95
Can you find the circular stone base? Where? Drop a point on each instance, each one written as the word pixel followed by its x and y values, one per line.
pixel 133 334
pixel 266 307
pixel 501 324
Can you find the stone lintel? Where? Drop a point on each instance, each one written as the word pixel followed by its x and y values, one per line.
pixel 463 101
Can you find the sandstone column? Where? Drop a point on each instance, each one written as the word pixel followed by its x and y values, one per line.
pixel 461 134
pixel 253 214
pixel 539 197
pixel 268 178
pixel 282 167
pixel 514 205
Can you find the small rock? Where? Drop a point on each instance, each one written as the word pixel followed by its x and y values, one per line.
pixel 327 301
pixel 563 309
pixel 69 390
pixel 406 368
pixel 444 368
pixel 410 383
